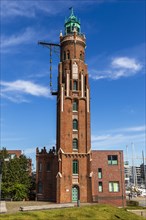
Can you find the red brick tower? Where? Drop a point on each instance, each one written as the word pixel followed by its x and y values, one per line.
pixel 73 117
pixel 67 173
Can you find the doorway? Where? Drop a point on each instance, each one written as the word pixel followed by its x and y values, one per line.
pixel 75 193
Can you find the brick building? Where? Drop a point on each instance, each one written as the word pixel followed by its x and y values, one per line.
pixel 14 153
pixel 70 172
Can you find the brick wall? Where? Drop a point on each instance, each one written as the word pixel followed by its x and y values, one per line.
pixel 110 173
pixel 46 171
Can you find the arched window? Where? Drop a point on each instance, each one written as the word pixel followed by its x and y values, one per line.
pixel 81 55
pixel 75 105
pixel 68 30
pixel 75 124
pixel 40 167
pixel 75 85
pixel 75 144
pixel 68 55
pixel 75 168
pixel 40 187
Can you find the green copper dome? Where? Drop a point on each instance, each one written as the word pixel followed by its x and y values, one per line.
pixel 72 24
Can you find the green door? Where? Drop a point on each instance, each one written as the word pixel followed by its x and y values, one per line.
pixel 74 194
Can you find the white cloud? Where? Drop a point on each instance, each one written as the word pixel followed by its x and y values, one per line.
pixel 15 91
pixel 119 67
pixel 21 38
pixel 31 8
pixel 126 63
pixel 17 39
pixel 119 137
pixel 25 8
pixel 136 129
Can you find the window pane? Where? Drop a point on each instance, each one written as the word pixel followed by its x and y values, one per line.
pixel 75 124
pixel 75 167
pixel 75 143
pixel 114 162
pixel 75 105
pixel 75 85
pixel 110 186
pixel 113 186
pixel 40 167
pixel 99 173
pixel 116 187
pixel 100 187
pixel 112 159
pixel 109 159
pixel 40 187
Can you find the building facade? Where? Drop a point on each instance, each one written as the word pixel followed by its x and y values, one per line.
pixel 73 170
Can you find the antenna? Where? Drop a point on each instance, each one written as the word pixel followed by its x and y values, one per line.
pixel 50 46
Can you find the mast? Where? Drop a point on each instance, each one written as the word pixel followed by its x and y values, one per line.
pixel 134 167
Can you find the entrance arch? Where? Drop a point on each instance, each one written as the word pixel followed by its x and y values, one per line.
pixel 75 193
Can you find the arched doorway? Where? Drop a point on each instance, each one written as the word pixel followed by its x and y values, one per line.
pixel 75 193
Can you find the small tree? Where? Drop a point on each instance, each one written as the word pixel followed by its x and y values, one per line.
pixel 16 181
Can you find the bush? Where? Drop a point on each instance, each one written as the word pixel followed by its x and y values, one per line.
pixel 19 192
pixel 132 203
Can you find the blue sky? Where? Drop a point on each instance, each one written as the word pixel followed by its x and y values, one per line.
pixel 115 54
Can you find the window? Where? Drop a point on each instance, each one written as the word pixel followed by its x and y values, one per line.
pixel 12 156
pixel 68 55
pixel 75 167
pixel 40 167
pixel 48 166
pixel 99 173
pixel 112 159
pixel 113 186
pixel 68 30
pixel 100 188
pixel 75 105
pixel 40 187
pixel 75 85
pixel 75 144
pixel 75 124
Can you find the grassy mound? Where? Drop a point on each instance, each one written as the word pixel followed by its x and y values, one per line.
pixel 92 212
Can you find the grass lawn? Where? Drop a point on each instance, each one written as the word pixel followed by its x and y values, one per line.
pixel 92 212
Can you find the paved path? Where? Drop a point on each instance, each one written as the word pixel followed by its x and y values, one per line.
pixel 44 207
pixel 3 208
pixel 138 212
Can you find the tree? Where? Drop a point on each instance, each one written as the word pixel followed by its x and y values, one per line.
pixel 16 181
